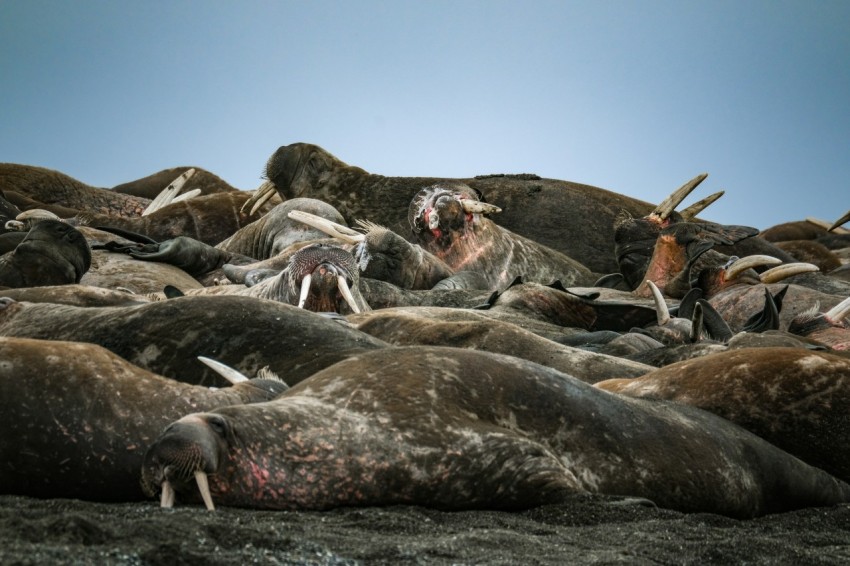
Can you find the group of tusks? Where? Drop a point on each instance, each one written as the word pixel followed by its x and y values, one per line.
pixel 267 190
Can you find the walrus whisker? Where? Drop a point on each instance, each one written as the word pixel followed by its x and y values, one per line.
pixel 691 212
pixel 225 371
pixel 742 264
pixel 669 204
pixel 263 193
pixel 204 488
pixel 840 311
pixel 167 499
pixel 330 228
pixel 166 196
pixel 305 290
pixel 663 313
pixel 346 293
pixel 781 272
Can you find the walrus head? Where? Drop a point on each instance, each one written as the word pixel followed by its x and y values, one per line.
pixel 52 253
pixel 325 279
pixel 442 213
pixel 186 452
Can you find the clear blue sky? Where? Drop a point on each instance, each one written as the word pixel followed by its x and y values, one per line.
pixel 634 96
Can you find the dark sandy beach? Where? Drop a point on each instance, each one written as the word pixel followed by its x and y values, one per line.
pixel 587 530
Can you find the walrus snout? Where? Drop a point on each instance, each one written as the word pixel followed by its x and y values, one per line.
pixel 187 450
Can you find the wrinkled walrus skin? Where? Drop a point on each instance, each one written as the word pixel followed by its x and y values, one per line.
pixel 459 429
pixel 75 419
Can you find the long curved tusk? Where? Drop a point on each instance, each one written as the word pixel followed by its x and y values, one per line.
pixel 669 204
pixel 472 206
pixel 187 195
pixel 262 194
pixel 661 310
pixel 785 271
pixel 746 262
pixel 840 311
pixel 330 228
pixel 225 371
pixel 204 488
pixel 166 196
pixel 305 290
pixel 691 212
pixel 839 222
pixel 167 499
pixel 346 294
pixel 696 323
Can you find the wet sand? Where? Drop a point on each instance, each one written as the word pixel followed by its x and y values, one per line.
pixel 587 530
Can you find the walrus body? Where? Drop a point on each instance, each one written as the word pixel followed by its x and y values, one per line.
pixel 75 419
pixel 455 429
pixel 52 253
pixel 576 220
pixel 794 398
pixel 166 336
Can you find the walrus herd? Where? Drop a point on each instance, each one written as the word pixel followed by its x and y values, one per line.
pixel 340 338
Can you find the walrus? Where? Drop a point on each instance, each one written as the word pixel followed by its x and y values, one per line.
pixel 791 397
pixel 164 337
pixel 48 187
pixel 571 218
pixel 52 253
pixel 459 429
pixel 449 221
pixel 149 187
pixel 474 329
pixel 76 419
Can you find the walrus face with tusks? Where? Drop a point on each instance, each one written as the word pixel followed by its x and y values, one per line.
pixel 325 278
pixel 186 453
pixel 442 214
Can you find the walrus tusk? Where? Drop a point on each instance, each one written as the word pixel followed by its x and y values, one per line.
pixel 785 271
pixel 746 262
pixel 167 498
pixel 329 227
pixel 204 488
pixel 166 196
pixel 263 193
pixel 25 220
pixel 696 323
pixel 472 206
pixel 225 371
pixel 691 212
pixel 305 290
pixel 187 195
pixel 346 293
pixel 669 204
pixel 839 222
pixel 661 310
pixel 840 311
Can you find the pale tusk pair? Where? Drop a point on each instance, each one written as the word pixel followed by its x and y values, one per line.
pixel 169 193
pixel 168 494
pixel 341 285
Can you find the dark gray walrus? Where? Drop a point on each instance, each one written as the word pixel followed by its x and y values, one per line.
pixel 453 428
pixel 75 419
pixel 52 253
pixel 164 337
pixel 576 220
pixel 795 398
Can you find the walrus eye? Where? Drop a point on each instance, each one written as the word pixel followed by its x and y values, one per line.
pixel 218 425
